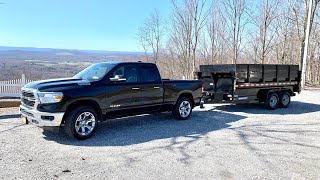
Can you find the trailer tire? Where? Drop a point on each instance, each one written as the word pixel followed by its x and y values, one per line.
pixel 272 101
pixel 182 109
pixel 83 118
pixel 284 99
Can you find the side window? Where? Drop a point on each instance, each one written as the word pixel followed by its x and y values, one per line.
pixel 129 72
pixel 149 73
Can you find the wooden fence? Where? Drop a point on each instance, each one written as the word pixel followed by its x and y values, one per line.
pixel 12 88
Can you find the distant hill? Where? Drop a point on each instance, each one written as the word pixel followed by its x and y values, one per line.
pixel 8 48
pixel 50 54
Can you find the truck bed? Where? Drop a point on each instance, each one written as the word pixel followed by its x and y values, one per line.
pixel 173 89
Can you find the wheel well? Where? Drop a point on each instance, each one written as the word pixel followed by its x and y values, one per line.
pixel 90 103
pixel 189 96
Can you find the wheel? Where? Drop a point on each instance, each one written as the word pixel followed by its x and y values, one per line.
pixel 272 100
pixel 81 122
pixel 284 99
pixel 183 109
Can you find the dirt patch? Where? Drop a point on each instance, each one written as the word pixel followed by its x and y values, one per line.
pixel 5 103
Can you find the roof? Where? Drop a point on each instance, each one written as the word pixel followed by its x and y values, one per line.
pixel 116 63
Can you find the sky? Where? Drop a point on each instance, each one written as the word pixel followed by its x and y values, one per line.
pixel 76 24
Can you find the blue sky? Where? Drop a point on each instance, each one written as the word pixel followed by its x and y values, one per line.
pixel 76 24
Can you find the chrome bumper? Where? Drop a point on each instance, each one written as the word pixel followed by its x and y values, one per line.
pixel 41 118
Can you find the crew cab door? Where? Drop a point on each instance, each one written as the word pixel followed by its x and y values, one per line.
pixel 151 88
pixel 122 96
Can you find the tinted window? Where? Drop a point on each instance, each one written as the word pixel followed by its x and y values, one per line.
pixel 149 73
pixel 127 71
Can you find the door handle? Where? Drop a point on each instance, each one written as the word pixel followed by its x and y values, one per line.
pixel 156 87
pixel 135 88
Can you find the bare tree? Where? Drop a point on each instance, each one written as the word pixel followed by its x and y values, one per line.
pixel 188 21
pixel 235 15
pixel 267 27
pixel 313 73
pixel 283 37
pixel 219 32
pixel 142 39
pixel 150 35
pixel 300 18
pixel 213 40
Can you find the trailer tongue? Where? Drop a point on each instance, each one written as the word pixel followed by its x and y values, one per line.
pixel 250 83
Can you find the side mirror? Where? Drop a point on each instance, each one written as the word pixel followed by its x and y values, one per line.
pixel 118 78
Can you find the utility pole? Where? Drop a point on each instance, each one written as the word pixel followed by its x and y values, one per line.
pixel 306 44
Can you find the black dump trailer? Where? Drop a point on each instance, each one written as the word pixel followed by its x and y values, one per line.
pixel 250 83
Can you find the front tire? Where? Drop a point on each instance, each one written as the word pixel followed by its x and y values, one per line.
pixel 272 101
pixel 183 109
pixel 81 122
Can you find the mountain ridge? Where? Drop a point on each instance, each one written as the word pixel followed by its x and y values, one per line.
pixel 8 53
pixel 37 49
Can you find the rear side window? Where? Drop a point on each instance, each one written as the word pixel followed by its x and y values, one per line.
pixel 149 73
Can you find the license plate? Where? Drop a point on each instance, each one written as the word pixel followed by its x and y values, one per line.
pixel 24 120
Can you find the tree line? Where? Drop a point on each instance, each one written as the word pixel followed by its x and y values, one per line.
pixel 231 32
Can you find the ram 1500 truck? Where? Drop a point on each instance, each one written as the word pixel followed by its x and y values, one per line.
pixel 104 91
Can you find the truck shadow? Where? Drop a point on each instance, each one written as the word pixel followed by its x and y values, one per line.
pixel 10 116
pixel 296 107
pixel 145 128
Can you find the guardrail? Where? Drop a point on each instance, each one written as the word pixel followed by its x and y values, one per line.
pixel 12 88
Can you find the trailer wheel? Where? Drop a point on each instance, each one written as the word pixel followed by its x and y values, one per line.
pixel 285 99
pixel 272 100
pixel 182 109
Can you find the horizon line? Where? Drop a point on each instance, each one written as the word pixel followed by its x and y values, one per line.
pixel 71 49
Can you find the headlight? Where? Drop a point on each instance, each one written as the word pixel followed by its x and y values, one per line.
pixel 50 97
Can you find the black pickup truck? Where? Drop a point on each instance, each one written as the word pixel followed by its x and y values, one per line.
pixel 104 91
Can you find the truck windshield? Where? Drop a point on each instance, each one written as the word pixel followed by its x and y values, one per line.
pixel 95 72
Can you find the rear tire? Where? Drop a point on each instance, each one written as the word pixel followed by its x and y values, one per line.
pixel 272 101
pixel 284 99
pixel 182 109
pixel 81 122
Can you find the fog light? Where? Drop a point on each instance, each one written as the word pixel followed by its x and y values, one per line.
pixel 47 118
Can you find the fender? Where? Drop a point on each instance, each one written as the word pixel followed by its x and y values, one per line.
pixel 184 92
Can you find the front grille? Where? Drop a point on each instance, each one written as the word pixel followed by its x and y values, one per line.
pixel 27 94
pixel 26 113
pixel 27 98
pixel 27 102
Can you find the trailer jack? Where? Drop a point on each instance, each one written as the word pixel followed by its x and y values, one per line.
pixel 202 104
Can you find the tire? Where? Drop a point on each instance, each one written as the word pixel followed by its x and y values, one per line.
pixel 272 101
pixel 81 123
pixel 284 99
pixel 182 109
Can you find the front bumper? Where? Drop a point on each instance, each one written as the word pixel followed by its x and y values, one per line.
pixel 41 118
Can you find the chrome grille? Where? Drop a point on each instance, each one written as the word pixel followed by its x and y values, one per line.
pixel 27 94
pixel 26 113
pixel 27 98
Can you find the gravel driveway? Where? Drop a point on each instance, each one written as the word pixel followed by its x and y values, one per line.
pixel 218 142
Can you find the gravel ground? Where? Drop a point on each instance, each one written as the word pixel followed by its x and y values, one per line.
pixel 218 142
